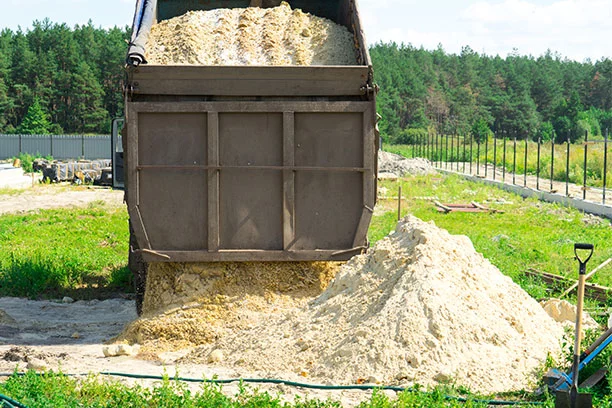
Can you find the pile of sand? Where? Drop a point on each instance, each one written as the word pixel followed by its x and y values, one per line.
pixel 399 166
pixel 250 36
pixel 420 307
pixel 196 303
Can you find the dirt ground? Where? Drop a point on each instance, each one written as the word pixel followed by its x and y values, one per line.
pixel 56 196
pixel 70 336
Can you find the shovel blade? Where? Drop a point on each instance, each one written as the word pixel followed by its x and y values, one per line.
pixel 564 400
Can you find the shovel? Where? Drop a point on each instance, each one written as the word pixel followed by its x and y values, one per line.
pixel 573 398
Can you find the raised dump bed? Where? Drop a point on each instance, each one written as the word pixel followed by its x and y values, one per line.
pixel 249 163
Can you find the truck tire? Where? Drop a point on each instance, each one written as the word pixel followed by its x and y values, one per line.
pixel 138 267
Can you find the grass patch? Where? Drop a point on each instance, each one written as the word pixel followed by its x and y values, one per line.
pixel 53 390
pixel 64 251
pixel 529 234
pixel 594 168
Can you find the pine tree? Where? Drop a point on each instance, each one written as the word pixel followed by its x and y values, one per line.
pixel 35 121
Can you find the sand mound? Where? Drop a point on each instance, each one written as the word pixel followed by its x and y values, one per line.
pixel 194 304
pixel 250 36
pixel 401 166
pixel 564 312
pixel 420 307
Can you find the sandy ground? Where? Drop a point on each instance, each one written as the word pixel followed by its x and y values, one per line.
pixel 56 196
pixel 70 337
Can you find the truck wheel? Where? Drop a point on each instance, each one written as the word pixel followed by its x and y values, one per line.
pixel 138 267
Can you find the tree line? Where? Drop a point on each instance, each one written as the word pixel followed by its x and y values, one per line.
pixel 472 93
pixel 60 79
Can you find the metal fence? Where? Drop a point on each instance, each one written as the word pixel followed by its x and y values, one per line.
pixel 576 170
pixel 61 147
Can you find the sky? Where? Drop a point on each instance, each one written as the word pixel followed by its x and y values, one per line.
pixel 576 29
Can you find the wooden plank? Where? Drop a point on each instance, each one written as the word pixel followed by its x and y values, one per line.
pixel 250 255
pixel 213 182
pixel 251 107
pixel 443 207
pixel 288 180
pixel 592 291
pixel 588 275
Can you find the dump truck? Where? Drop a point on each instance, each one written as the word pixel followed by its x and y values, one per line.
pixel 247 163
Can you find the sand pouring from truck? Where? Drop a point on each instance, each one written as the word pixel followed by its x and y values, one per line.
pixel 248 163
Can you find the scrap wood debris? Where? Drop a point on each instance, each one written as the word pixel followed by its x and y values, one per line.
pixel 472 207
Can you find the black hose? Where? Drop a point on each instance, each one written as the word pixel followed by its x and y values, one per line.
pixel 7 402
pixel 362 387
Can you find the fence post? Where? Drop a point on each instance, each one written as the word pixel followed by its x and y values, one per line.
pixel 567 163
pixel 514 163
pixel 552 163
pixel 51 144
pixel 20 149
pixel 586 146
pixel 504 158
pixel 83 146
pixel 525 175
pixel 399 202
pixel 446 153
pixel 438 149
pixel 478 157
pixel 434 155
pixel 463 156
pixel 605 179
pixel 471 151
pixel 494 153
pixel 453 137
pixel 538 164
pixel 486 161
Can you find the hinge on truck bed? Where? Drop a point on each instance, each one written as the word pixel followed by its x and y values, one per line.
pixel 368 90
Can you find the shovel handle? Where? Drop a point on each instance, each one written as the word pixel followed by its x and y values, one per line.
pixel 583 262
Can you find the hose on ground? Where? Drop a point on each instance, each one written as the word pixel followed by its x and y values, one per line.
pixel 363 387
pixel 7 402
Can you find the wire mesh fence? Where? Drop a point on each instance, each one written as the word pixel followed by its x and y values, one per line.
pixel 58 146
pixel 576 170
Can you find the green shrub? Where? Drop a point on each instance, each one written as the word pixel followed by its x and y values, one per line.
pixel 411 136
pixel 27 160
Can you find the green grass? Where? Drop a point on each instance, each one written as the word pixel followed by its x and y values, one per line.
pixel 52 390
pixel 529 234
pixel 77 251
